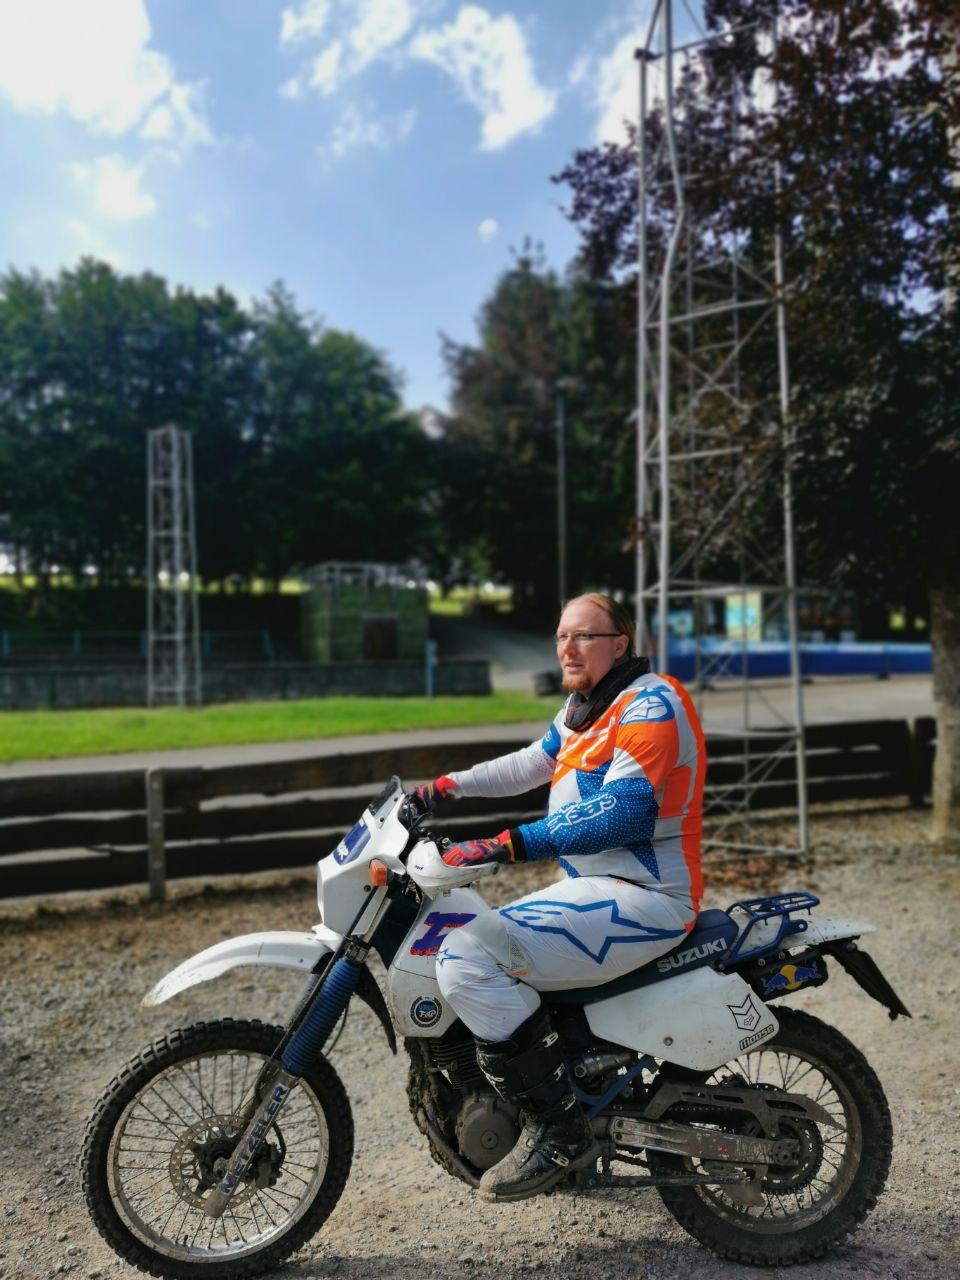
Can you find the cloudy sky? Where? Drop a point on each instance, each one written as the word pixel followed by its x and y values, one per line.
pixel 380 156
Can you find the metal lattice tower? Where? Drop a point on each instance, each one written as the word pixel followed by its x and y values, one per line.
pixel 173 625
pixel 707 299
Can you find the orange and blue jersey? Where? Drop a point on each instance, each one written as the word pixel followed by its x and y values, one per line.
pixel 626 792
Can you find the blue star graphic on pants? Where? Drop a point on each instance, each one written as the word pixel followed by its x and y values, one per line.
pixel 542 916
pixel 645 855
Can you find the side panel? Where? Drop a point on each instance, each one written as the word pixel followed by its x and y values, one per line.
pixel 417 1007
pixel 699 1019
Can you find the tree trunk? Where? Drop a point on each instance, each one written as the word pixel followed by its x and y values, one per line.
pixel 945 597
pixel 945 641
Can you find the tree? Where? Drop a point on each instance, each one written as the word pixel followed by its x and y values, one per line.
pixel 335 451
pixel 866 103
pixel 540 337
pixel 302 449
pixel 92 361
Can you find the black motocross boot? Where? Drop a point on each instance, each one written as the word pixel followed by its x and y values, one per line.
pixel 529 1069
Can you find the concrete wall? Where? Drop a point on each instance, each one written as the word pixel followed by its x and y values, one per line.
pixel 25 690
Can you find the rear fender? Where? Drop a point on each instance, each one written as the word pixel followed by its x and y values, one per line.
pixel 827 929
pixel 836 938
pixel 866 973
pixel 761 936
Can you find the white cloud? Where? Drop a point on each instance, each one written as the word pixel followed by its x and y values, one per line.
pixel 116 188
pixel 325 72
pixel 488 228
pixel 380 24
pixel 608 77
pixel 578 72
pixel 486 57
pixel 304 22
pixel 180 120
pixel 159 124
pixel 363 31
pixel 93 61
pixel 488 60
pixel 617 89
pixel 354 131
pixel 294 88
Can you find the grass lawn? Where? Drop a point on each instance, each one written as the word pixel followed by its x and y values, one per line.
pixel 51 735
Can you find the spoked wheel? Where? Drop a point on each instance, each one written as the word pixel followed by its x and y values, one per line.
pixel 805 1208
pixel 162 1134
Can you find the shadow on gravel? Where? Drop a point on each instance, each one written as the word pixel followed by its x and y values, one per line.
pixel 921 1246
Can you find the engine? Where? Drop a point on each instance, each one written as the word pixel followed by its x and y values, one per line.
pixel 487 1128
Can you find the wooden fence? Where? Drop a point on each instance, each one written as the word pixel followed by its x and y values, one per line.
pixel 68 831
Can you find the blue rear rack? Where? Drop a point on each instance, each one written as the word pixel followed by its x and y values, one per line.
pixel 760 909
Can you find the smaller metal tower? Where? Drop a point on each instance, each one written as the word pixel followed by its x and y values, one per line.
pixel 173 624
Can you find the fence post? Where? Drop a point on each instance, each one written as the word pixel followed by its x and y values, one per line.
pixel 923 736
pixel 430 668
pixel 156 852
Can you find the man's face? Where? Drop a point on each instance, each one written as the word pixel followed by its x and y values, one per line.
pixel 586 662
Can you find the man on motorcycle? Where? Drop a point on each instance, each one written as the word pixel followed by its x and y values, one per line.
pixel 625 761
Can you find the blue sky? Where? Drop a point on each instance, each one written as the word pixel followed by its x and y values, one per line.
pixel 380 156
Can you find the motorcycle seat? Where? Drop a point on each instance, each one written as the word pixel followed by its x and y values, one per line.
pixel 709 939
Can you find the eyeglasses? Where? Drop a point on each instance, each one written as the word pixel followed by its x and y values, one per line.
pixel 582 637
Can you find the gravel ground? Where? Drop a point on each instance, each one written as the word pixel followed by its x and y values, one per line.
pixel 72 978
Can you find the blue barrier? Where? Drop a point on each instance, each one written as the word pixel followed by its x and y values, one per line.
pixel 767 659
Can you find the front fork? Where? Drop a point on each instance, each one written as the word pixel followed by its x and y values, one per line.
pixel 324 1008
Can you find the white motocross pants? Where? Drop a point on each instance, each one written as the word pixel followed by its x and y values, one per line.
pixel 578 933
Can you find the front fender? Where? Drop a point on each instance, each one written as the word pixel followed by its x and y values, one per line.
pixel 278 949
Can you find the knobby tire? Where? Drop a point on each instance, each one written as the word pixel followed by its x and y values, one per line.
pixel 224 1035
pixel 799 1031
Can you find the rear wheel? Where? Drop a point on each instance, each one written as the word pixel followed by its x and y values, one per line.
pixel 809 1207
pixel 161 1135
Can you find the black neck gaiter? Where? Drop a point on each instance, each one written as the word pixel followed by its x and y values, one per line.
pixel 583 710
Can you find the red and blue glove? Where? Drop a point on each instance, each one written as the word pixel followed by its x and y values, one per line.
pixel 429 794
pixel 506 847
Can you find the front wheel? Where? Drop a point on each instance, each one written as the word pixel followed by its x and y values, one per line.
pixel 807 1208
pixel 162 1130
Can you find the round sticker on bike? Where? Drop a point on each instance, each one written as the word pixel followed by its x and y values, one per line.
pixel 426 1011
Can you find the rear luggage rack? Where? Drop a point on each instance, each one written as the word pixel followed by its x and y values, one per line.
pixel 757 910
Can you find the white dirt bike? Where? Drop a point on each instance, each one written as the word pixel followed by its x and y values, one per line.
pixel 224 1146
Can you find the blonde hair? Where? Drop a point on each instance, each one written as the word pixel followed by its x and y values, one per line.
pixel 620 619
